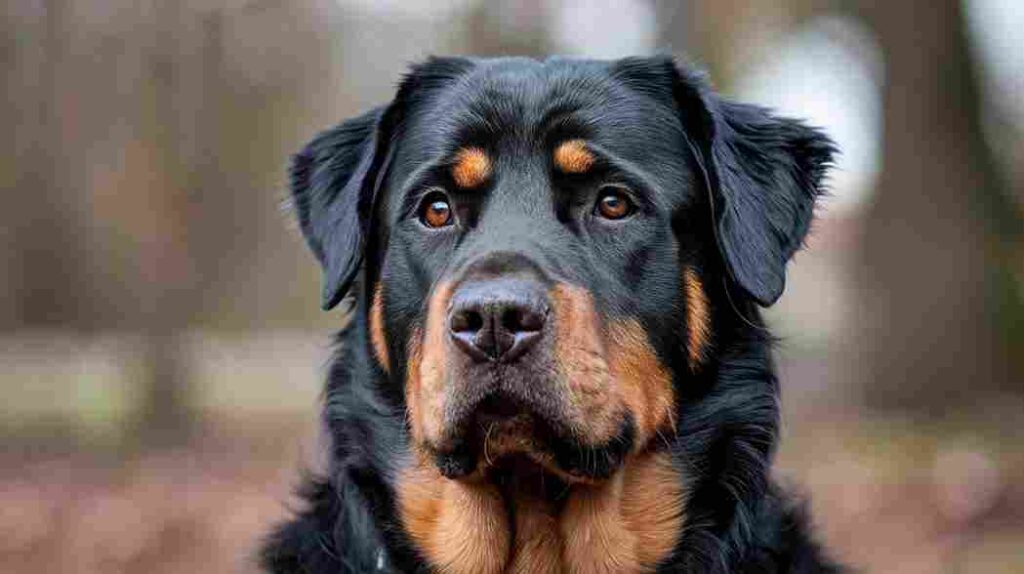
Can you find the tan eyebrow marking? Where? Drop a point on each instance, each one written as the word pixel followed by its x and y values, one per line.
pixel 572 156
pixel 472 167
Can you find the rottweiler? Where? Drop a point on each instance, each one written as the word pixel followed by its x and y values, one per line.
pixel 555 359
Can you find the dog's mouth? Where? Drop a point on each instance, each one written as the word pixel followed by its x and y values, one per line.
pixel 506 438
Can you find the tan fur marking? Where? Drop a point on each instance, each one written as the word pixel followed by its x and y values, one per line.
pixel 596 540
pixel 433 371
pixel 646 384
pixel 594 398
pixel 472 167
pixel 377 338
pixel 652 506
pixel 425 388
pixel 537 548
pixel 412 385
pixel 627 524
pixel 460 527
pixel 698 318
pixel 572 156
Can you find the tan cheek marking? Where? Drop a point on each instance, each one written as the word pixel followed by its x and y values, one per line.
pixel 472 167
pixel 572 156
pixel 377 338
pixel 461 528
pixel 653 506
pixel 646 383
pixel 698 318
pixel 413 391
pixel 579 355
pixel 433 371
pixel 425 389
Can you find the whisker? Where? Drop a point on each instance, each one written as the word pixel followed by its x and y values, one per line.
pixel 665 439
pixel 487 441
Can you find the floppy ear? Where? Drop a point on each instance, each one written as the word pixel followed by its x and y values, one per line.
pixel 764 173
pixel 336 178
pixel 333 183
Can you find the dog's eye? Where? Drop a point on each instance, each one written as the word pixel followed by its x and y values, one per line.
pixel 613 203
pixel 436 210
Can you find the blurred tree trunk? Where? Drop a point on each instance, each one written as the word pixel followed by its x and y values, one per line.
pixel 43 243
pixel 933 234
pixel 186 69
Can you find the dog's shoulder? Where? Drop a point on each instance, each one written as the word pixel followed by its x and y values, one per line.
pixel 335 533
pixel 783 539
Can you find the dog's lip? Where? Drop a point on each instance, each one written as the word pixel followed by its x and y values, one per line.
pixel 458 466
pixel 471 455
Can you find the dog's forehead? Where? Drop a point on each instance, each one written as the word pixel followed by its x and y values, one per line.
pixel 520 102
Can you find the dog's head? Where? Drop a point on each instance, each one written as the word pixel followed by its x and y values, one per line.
pixel 541 246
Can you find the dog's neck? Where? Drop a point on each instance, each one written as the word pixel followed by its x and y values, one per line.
pixel 626 523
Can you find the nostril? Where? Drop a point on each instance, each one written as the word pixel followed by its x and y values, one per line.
pixel 510 320
pixel 522 320
pixel 466 321
pixel 467 329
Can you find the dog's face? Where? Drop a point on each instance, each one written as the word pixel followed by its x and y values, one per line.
pixel 542 245
pixel 529 253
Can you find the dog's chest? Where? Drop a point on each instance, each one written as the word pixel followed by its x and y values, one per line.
pixel 629 523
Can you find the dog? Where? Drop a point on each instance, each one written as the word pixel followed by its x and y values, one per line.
pixel 555 360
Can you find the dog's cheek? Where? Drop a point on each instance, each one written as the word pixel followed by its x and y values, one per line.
pixel 413 390
pixel 645 383
pixel 459 527
pixel 594 402
pixel 698 318
pixel 428 371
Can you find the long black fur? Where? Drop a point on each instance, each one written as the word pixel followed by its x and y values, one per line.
pixel 756 179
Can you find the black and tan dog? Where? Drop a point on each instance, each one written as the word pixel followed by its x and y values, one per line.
pixel 555 361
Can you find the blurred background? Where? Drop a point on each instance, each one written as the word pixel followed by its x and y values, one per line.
pixel 161 345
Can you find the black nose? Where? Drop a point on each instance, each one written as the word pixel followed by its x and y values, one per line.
pixel 497 319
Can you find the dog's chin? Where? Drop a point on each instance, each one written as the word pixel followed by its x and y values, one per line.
pixel 511 466
pixel 521 448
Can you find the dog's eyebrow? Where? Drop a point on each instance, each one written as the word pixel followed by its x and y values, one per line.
pixel 573 156
pixel 471 167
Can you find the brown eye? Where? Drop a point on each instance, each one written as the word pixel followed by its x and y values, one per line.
pixel 436 211
pixel 613 204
